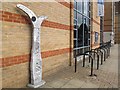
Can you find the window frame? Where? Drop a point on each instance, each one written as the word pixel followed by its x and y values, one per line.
pixel 76 49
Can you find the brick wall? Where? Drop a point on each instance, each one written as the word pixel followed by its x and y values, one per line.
pixel 95 25
pixel 18 75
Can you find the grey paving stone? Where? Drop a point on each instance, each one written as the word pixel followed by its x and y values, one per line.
pixel 57 83
pixel 74 83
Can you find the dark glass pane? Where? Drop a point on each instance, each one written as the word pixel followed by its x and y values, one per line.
pixel 89 35
pixel 79 51
pixel 74 43
pixel 79 19
pixel 89 42
pixel 86 49
pixel 75 52
pixel 80 35
pixel 74 34
pixel 86 31
pixel 86 35
pixel 75 24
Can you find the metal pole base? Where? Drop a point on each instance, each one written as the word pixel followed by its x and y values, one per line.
pixel 36 85
pixel 93 75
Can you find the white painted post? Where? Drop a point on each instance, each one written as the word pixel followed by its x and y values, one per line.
pixel 36 60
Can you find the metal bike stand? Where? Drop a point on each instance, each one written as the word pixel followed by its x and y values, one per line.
pixel 84 54
pixel 90 52
pixel 99 50
pixel 106 48
pixel 109 47
pixel 75 64
pixel 94 51
pixel 104 52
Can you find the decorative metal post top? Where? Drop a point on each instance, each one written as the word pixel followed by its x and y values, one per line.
pixel 32 16
pixel 36 60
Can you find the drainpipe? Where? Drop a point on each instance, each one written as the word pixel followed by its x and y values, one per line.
pixel 70 53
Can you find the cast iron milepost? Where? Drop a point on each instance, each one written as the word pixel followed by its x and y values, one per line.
pixel 36 60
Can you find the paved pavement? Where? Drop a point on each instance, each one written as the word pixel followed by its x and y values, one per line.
pixel 107 75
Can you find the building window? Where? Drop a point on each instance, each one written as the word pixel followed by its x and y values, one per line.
pixel 81 26
pixel 96 37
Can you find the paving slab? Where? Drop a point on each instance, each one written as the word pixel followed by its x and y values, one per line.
pixel 74 83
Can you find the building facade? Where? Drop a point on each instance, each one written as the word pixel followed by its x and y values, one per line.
pixel 108 21
pixel 111 22
pixel 61 36
pixel 117 23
